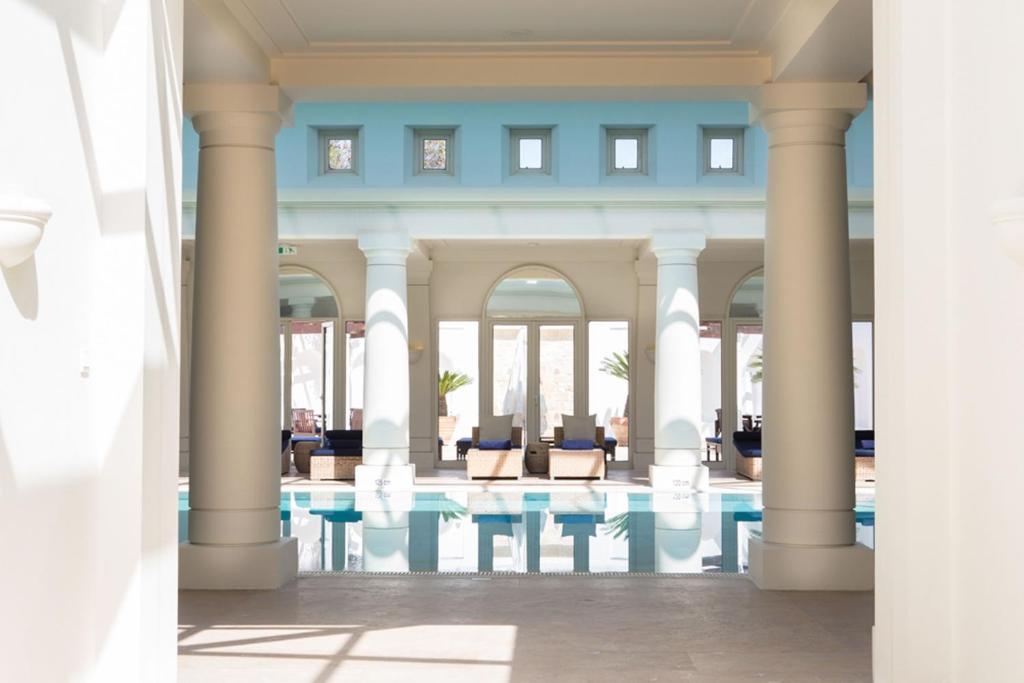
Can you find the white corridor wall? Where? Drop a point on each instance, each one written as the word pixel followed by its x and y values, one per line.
pixel 90 124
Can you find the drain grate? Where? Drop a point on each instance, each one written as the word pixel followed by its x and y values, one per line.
pixel 524 575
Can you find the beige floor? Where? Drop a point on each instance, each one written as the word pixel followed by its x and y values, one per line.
pixel 432 628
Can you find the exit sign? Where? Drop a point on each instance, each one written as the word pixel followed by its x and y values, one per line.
pixel 287 250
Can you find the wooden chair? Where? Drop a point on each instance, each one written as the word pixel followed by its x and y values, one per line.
pixel 303 421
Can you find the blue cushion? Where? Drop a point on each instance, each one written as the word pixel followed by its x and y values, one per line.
pixel 749 452
pixel 577 445
pixel 866 443
pixel 714 439
pixel 495 444
pixel 864 452
pixel 611 441
pixel 464 439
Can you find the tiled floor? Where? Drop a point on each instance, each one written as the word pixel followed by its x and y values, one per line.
pixel 533 628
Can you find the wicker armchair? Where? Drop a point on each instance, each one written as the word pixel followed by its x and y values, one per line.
pixel 576 464
pixel 506 464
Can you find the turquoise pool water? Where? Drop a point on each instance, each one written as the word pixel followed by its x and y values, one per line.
pixel 556 532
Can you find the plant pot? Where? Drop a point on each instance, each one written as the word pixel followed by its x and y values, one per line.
pixel 620 430
pixel 446 427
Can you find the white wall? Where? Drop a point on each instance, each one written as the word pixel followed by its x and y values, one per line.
pixel 949 562
pixel 90 123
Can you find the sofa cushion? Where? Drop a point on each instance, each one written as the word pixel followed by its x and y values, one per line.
pixel 495 444
pixel 578 444
pixel 579 428
pixel 864 452
pixel 496 428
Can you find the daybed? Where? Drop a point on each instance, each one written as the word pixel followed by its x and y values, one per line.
pixel 496 451
pixel 574 458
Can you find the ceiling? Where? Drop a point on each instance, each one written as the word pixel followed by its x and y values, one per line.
pixel 350 48
pixel 305 26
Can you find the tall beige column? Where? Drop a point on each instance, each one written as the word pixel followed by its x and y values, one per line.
pixel 808 541
pixel 678 444
pixel 386 370
pixel 234 538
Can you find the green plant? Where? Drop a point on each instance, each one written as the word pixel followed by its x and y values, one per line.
pixel 451 509
pixel 617 526
pixel 447 382
pixel 617 365
pixel 756 367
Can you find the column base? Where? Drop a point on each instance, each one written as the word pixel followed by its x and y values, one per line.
pixel 385 477
pixel 774 566
pixel 263 566
pixel 680 477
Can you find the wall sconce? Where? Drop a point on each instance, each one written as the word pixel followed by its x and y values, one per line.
pixel 651 352
pixel 21 227
pixel 1008 221
pixel 415 352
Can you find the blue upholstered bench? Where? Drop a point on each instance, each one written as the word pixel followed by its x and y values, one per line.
pixel 713 442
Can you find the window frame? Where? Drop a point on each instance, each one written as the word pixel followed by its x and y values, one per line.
pixel 421 135
pixel 327 134
pixel 615 133
pixel 515 136
pixel 735 133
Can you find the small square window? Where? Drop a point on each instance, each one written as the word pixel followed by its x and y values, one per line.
pixel 627 151
pixel 339 151
pixel 723 151
pixel 530 151
pixel 435 152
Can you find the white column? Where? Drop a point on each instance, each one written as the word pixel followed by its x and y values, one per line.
pixel 386 369
pixel 808 540
pixel 235 483
pixel 677 416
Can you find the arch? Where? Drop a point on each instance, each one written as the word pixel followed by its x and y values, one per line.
pixel 533 291
pixel 304 293
pixel 747 298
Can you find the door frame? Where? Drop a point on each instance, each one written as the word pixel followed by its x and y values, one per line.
pixel 533 325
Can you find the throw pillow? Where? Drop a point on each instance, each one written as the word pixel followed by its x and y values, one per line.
pixel 578 428
pixel 496 428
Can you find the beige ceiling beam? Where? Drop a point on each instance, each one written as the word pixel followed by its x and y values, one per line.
pixel 625 76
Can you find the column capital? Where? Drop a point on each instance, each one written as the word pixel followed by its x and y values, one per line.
pixel 385 248
pixel 238 114
pixel 677 247
pixel 807 112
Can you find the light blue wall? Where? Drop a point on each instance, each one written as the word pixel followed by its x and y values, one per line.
pixel 481 143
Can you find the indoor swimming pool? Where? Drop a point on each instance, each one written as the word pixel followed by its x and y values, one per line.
pixel 463 532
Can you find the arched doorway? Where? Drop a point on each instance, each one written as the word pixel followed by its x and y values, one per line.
pixel 744 369
pixel 534 365
pixel 745 333
pixel 309 354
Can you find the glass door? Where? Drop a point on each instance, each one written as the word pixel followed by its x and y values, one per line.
pixel 534 375
pixel 556 378
pixel 510 361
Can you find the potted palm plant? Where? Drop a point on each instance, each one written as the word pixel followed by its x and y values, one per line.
pixel 447 382
pixel 617 365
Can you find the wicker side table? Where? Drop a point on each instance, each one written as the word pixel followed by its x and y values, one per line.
pixel 537 458
pixel 301 451
pixel 333 466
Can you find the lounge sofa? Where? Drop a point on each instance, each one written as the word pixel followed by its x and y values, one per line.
pixel 864 450
pixel 286 451
pixel 748 445
pixel 577 463
pixel 338 458
pixel 500 463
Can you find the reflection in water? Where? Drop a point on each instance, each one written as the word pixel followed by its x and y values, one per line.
pixel 525 532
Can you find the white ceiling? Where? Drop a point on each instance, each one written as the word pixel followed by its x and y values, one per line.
pixel 315 26
pixel 344 49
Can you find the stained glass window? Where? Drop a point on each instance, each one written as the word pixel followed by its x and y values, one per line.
pixel 435 154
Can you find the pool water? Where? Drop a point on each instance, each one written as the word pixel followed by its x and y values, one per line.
pixel 556 532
